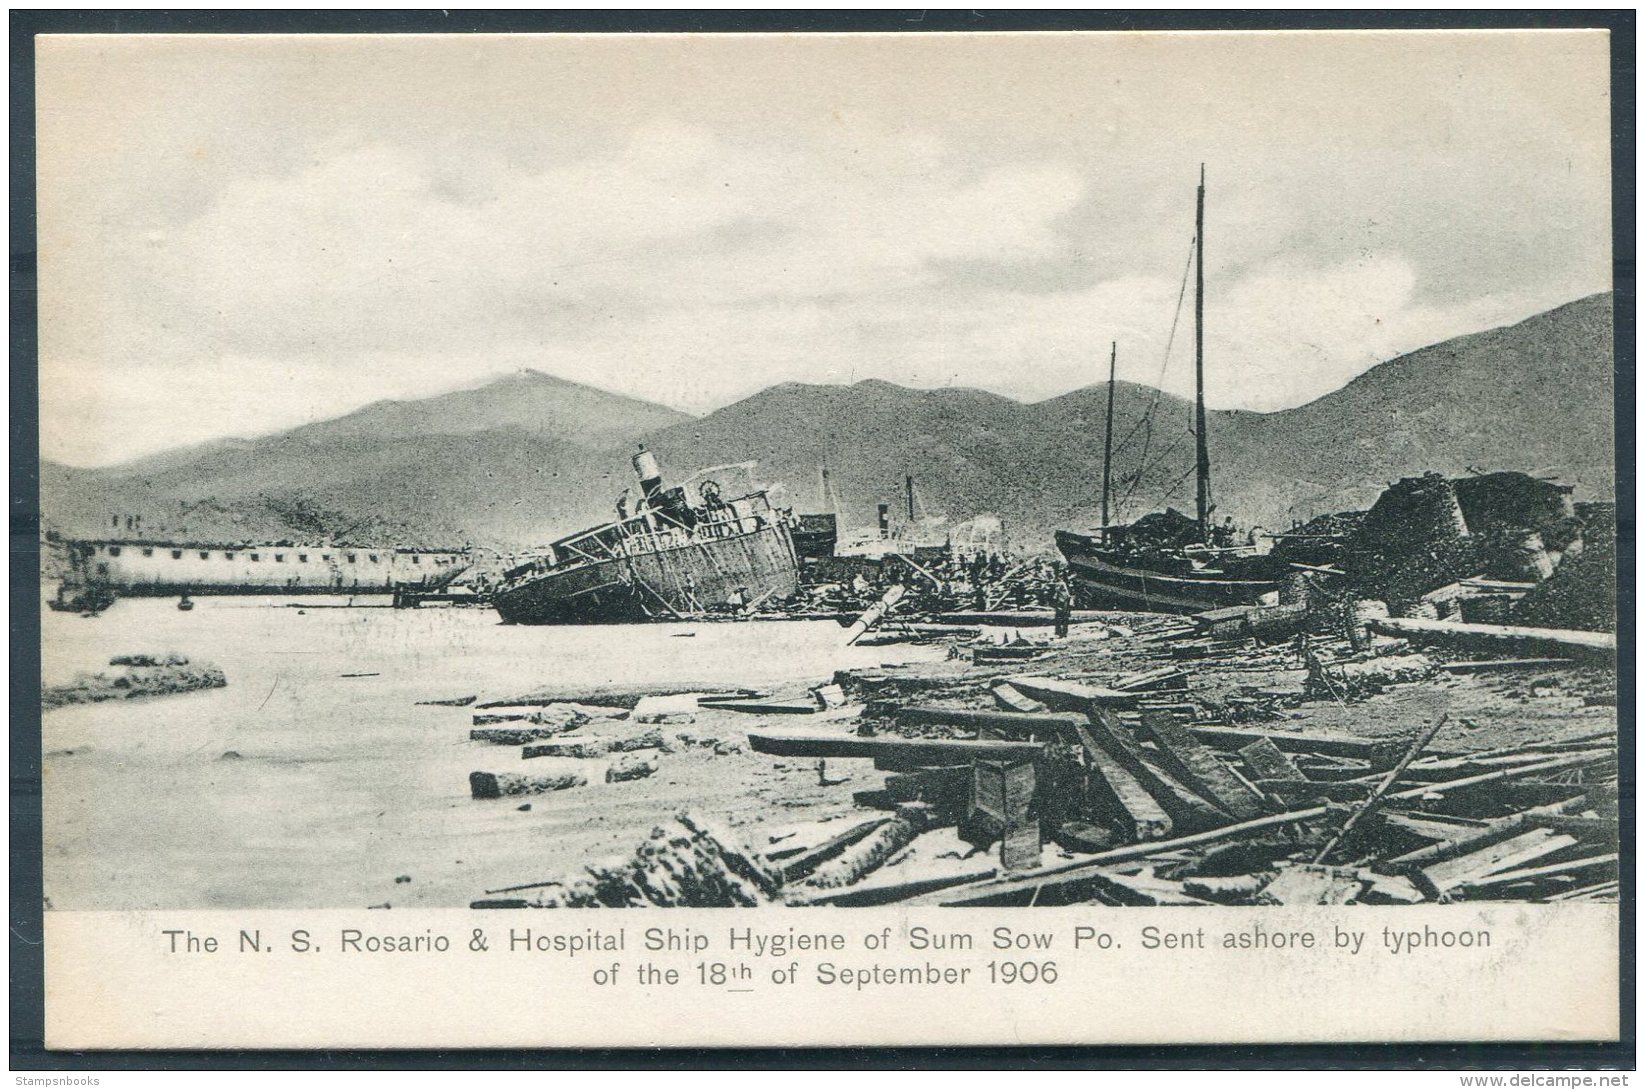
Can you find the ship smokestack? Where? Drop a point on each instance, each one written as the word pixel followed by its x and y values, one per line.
pixel 885 520
pixel 649 472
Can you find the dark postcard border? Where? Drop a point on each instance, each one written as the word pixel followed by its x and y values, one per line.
pixel 27 968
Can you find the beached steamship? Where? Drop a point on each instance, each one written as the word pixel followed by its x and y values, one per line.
pixel 669 559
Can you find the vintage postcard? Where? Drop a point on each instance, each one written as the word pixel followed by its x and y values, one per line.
pixel 963 539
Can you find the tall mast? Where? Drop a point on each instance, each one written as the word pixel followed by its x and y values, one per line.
pixel 910 483
pixel 1202 454
pixel 1108 440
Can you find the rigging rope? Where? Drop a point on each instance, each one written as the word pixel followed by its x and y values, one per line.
pixel 1165 360
pixel 1144 470
pixel 1178 484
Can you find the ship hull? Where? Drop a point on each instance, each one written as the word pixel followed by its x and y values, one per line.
pixel 688 579
pixel 1100 581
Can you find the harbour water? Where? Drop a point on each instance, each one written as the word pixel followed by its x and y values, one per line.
pixel 298 786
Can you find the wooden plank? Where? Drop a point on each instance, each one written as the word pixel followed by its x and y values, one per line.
pixel 1000 797
pixel 1530 874
pixel 1489 665
pixel 1375 750
pixel 496 785
pixel 1028 618
pixel 1605 827
pixel 1296 792
pixel 1513 852
pixel 1013 699
pixel 1143 890
pixel 1121 796
pixel 904 764
pixel 1435 827
pixel 1020 846
pixel 828 849
pixel 1165 679
pixel 1584 893
pixel 1423 737
pixel 580 748
pixel 1010 652
pixel 932 751
pixel 886 891
pixel 761 707
pixel 1266 761
pixel 1483 835
pixel 1198 766
pixel 513 736
pixel 1184 805
pixel 1014 724
pixel 1070 695
pixel 871 852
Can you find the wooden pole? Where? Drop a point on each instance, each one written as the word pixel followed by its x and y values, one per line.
pixel 1202 452
pixel 1108 440
pixel 1388 781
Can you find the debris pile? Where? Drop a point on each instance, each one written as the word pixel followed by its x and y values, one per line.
pixel 1159 759
pixel 135 676
pixel 1581 593
pixel 688 862
pixel 1148 802
pixel 1475 548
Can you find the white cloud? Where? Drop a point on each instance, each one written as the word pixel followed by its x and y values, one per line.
pixel 234 264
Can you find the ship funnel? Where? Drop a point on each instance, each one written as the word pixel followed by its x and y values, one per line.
pixel 885 520
pixel 649 472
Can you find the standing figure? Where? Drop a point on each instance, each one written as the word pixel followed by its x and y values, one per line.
pixel 1062 600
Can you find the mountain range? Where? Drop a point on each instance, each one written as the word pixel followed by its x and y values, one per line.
pixel 529 456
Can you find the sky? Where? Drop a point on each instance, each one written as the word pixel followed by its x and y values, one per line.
pixel 243 234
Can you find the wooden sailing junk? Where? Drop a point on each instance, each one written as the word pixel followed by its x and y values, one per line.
pixel 1163 563
pixel 671 558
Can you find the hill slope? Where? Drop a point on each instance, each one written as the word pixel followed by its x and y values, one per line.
pixel 1536 396
pixel 529 456
pixel 491 464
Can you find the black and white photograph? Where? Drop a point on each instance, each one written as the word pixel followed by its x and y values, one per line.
pixel 849 472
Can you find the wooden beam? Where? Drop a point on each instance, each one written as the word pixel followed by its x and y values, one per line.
pixel 1266 761
pixel 1186 807
pixel 1370 804
pixel 1071 695
pixel 1500 637
pixel 1015 724
pixel 1332 745
pixel 1014 699
pixel 1121 798
pixel 934 751
pixel 1513 852
pixel 1509 877
pixel 1198 766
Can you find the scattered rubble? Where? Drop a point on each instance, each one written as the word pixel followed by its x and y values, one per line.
pixel 1162 761
pixel 496 785
pixel 135 676
pixel 631 768
pixel 688 862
